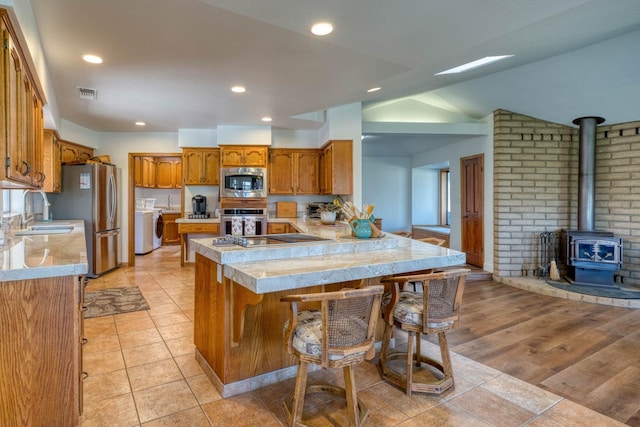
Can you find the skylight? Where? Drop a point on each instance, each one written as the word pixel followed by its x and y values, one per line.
pixel 474 64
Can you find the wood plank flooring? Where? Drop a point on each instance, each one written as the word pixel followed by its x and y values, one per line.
pixel 587 353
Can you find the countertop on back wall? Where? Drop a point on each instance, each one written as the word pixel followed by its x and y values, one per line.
pixel 38 256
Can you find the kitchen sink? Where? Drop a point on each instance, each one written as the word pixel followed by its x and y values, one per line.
pixel 36 229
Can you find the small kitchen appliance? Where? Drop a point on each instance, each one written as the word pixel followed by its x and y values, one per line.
pixel 199 204
pixel 243 182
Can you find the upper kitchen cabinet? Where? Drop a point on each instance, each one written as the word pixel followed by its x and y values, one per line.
pixel 74 153
pixel 148 172
pixel 52 162
pixel 294 171
pixel 243 155
pixel 22 120
pixel 201 166
pixel 336 167
pixel 168 172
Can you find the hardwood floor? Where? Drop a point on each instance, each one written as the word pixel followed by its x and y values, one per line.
pixel 587 353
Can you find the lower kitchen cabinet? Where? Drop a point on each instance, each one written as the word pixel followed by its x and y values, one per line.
pixel 170 234
pixel 41 351
pixel 186 228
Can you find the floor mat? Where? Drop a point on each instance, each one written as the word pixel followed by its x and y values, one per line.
pixel 105 302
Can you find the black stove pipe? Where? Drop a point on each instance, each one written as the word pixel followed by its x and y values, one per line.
pixel 587 172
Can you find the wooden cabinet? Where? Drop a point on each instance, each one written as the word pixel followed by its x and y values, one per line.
pixel 294 171
pixel 52 162
pixel 22 119
pixel 186 228
pixel 201 166
pixel 280 228
pixel 74 153
pixel 168 172
pixel 148 172
pixel 41 351
pixel 137 171
pixel 336 167
pixel 243 155
pixel 170 235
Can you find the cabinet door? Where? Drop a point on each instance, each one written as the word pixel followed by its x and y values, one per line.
pixel 37 129
pixel 137 171
pixel 281 172
pixel 231 156
pixel 177 177
pixel 165 170
pixel 337 168
pixel 191 166
pixel 211 167
pixel 170 233
pixel 308 172
pixel 51 158
pixel 148 172
pixel 255 156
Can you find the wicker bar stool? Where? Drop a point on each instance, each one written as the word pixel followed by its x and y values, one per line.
pixel 435 310
pixel 340 334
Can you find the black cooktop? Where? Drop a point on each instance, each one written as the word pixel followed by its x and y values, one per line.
pixel 267 239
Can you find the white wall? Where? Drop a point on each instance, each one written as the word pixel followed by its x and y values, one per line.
pixel 387 184
pixel 425 196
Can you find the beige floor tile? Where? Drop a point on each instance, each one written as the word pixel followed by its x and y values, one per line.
pixel 145 354
pixel 202 388
pixel 136 324
pixel 169 319
pixel 176 330
pixel 114 411
pixel 99 326
pixel 188 365
pixel 99 363
pixel 153 374
pixel 166 399
pixel 193 417
pixel 101 344
pixel 103 386
pixel 448 414
pixel 382 411
pixel 571 414
pixel 138 338
pixel 239 411
pixel 521 393
pixel 164 308
pixel 180 346
pixel 492 408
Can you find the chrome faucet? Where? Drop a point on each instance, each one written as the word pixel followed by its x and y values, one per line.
pixel 45 206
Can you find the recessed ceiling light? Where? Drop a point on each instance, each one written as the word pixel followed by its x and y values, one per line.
pixel 322 28
pixel 239 89
pixel 474 64
pixel 92 59
pixel 266 119
pixel 374 89
pixel 141 124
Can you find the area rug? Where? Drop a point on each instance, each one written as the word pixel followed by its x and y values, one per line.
pixel 105 302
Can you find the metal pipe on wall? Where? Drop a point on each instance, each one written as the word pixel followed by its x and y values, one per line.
pixel 587 172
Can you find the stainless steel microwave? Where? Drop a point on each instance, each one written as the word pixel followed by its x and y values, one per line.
pixel 243 182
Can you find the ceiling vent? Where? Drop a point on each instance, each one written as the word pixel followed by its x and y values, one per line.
pixel 88 93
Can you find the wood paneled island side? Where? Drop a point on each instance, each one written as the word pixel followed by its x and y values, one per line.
pixel 238 317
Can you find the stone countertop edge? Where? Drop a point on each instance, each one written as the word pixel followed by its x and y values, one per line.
pixel 283 267
pixel 50 255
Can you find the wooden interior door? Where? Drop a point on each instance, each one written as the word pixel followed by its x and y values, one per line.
pixel 471 201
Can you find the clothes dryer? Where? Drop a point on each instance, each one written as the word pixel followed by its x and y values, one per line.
pixel 158 228
pixel 143 232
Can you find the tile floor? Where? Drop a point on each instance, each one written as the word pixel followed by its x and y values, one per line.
pixel 142 372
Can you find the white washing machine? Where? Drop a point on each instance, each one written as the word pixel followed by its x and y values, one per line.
pixel 143 232
pixel 158 228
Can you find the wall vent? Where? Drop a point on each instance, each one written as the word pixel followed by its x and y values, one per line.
pixel 88 93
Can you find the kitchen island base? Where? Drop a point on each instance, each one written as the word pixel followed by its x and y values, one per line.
pixel 239 334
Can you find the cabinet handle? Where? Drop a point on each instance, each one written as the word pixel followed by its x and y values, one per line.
pixel 42 176
pixel 85 375
pixel 28 168
pixel 83 340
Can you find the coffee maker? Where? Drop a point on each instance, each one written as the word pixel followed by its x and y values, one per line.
pixel 199 204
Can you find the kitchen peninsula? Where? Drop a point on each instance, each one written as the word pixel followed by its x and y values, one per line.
pixel 238 317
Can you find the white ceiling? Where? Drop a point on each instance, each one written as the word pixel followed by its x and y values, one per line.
pixel 171 63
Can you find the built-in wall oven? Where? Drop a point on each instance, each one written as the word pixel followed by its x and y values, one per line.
pixel 243 182
pixel 243 221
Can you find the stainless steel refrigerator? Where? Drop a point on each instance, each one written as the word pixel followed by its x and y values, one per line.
pixel 90 193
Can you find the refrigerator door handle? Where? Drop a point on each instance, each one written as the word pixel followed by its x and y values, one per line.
pixel 113 198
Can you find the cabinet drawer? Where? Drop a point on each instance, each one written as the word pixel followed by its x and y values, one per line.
pixel 199 228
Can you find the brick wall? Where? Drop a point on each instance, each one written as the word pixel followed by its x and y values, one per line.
pixel 535 188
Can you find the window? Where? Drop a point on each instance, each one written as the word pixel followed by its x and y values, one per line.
pixel 445 197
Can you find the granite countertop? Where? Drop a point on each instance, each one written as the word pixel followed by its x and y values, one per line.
pixel 38 256
pixel 340 258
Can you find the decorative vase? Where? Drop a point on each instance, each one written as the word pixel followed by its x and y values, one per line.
pixel 361 228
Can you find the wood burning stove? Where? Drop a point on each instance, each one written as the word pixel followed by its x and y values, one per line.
pixel 592 257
